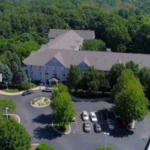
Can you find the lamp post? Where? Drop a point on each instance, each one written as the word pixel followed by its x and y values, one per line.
pixel 105 140
pixel 7 85
pixel 6 112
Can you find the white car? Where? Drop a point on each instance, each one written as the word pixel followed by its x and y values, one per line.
pixel 85 115
pixel 93 117
pixel 47 89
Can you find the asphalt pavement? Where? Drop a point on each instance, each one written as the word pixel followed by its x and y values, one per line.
pixel 37 121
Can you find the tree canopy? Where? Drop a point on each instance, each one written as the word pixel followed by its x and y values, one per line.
pixel 62 107
pixel 13 135
pixel 94 45
pixel 24 26
pixel 144 76
pixel 74 76
pixel 131 103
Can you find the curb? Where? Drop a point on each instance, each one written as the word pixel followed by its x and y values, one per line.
pixel 17 116
pixel 18 93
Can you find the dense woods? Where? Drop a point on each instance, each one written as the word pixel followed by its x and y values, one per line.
pixel 122 25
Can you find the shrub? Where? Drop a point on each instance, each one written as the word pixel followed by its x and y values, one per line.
pixel 7 103
pixel 43 146
pixel 27 85
pixel 104 148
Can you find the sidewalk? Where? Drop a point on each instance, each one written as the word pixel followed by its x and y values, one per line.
pixel 19 93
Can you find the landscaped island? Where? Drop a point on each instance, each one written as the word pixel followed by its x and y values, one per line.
pixel 40 102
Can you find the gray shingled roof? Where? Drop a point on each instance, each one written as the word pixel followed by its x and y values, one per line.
pixel 85 34
pixel 68 40
pixel 100 60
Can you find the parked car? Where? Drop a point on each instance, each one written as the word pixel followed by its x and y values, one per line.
pixel 47 89
pixel 85 115
pixel 86 127
pixel 97 127
pixel 104 114
pixel 110 124
pixel 27 92
pixel 93 117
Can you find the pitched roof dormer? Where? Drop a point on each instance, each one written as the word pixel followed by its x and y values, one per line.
pixel 57 60
pixel 84 63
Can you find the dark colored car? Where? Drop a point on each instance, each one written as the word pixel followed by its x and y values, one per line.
pixel 27 92
pixel 87 127
pixel 97 127
pixel 105 114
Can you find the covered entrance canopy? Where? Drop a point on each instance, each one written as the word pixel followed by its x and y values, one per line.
pixel 53 81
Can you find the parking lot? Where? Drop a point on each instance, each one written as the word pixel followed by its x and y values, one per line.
pixel 77 126
pixel 37 120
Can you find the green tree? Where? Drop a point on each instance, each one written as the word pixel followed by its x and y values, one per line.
pixel 144 76
pixel 63 109
pixel 114 73
pixel 133 66
pixel 104 84
pixel 44 146
pixel 6 73
pixel 13 135
pixel 74 76
pixel 116 33
pixel 91 80
pixel 131 103
pixel 58 88
pixel 14 64
pixel 94 45
pixel 142 39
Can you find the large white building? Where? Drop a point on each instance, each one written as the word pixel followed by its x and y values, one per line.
pixel 54 59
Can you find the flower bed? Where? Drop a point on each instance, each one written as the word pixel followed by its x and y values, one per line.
pixel 40 102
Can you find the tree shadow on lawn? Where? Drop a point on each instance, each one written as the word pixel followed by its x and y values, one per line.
pixel 43 119
pixel 46 132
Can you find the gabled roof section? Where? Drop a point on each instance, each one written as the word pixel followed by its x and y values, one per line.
pixel 85 61
pixel 59 58
pixel 85 34
pixel 68 40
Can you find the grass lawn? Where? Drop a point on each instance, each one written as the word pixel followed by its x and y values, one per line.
pixel 11 90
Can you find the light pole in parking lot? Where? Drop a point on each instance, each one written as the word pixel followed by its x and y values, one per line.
pixel 105 140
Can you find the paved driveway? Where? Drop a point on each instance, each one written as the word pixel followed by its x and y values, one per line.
pixel 37 120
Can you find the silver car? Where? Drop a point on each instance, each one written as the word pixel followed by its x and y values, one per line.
pixel 85 116
pixel 87 127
